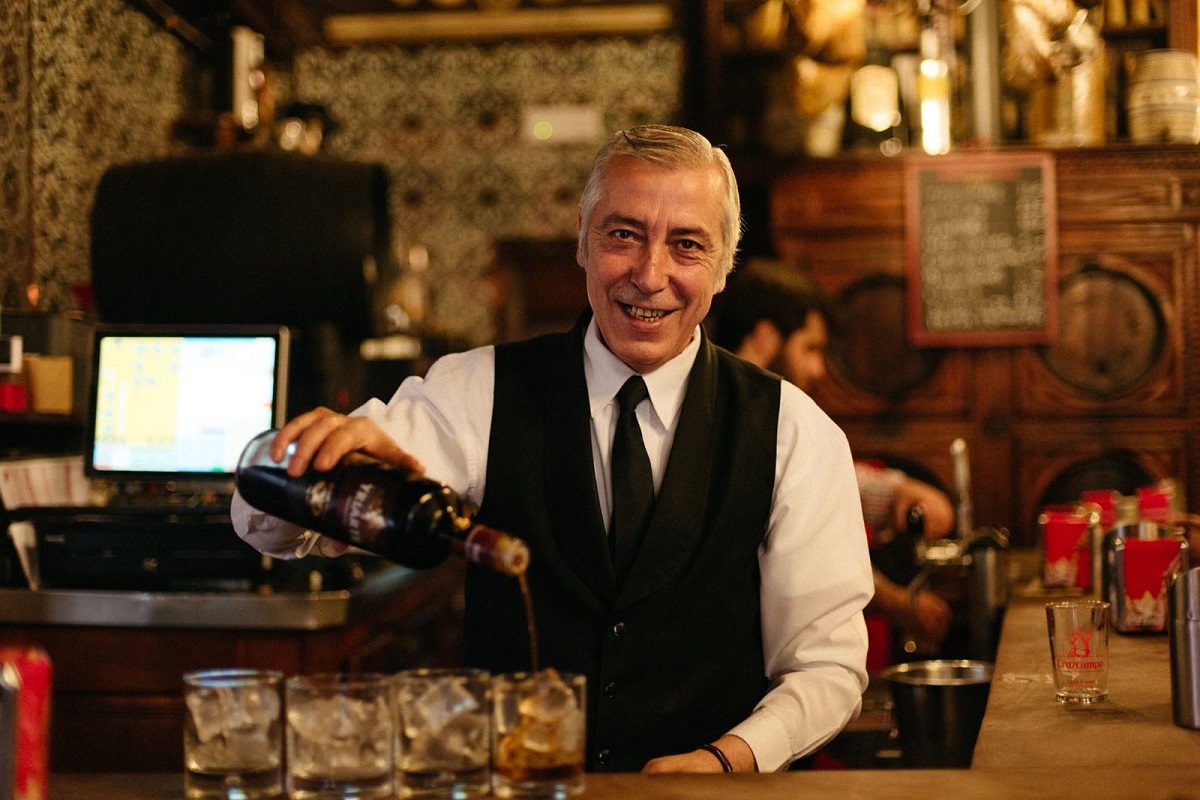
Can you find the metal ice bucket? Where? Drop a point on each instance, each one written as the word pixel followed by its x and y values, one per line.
pixel 939 707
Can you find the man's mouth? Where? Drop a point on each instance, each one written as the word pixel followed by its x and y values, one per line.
pixel 643 314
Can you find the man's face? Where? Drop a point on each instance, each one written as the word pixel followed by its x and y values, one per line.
pixel 653 258
pixel 802 357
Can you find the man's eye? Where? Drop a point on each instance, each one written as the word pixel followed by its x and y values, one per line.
pixel 688 244
pixel 621 233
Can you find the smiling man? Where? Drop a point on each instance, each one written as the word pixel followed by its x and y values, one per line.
pixel 654 241
pixel 729 635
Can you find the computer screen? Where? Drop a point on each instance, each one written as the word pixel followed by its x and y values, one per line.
pixel 178 402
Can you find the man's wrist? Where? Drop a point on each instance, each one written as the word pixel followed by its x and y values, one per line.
pixel 719 755
pixel 738 752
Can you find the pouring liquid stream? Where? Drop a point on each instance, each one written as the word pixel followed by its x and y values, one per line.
pixel 529 623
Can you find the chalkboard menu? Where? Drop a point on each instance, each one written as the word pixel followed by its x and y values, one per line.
pixel 982 249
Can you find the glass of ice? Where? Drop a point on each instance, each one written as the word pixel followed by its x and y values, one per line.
pixel 443 740
pixel 538 731
pixel 232 745
pixel 339 737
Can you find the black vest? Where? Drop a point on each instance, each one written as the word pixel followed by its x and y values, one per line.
pixel 673 656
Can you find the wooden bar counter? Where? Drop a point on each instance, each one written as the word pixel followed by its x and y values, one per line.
pixel 1025 727
pixel 1029 746
pixel 1101 783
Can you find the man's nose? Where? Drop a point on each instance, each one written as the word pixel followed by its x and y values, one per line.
pixel 650 272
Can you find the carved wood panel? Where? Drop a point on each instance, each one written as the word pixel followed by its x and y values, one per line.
pixel 1114 398
pixel 1120 345
pixel 1056 463
pixel 875 370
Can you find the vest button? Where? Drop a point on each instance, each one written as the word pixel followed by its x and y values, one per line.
pixel 610 689
pixel 618 630
pixel 603 757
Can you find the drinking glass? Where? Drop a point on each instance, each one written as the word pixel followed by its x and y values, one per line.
pixel 443 740
pixel 1079 649
pixel 339 737
pixel 538 730
pixel 231 734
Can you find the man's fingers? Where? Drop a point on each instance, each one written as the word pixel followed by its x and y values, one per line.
pixel 321 438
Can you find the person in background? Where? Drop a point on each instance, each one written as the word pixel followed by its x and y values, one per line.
pixel 780 320
pixel 735 637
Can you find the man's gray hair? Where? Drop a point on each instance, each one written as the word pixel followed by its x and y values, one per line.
pixel 674 148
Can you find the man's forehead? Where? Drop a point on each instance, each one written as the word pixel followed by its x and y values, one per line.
pixel 688 209
pixel 614 178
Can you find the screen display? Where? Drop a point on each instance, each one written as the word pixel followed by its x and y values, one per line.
pixel 179 403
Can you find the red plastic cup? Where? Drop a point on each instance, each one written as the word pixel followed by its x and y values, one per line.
pixel 1066 533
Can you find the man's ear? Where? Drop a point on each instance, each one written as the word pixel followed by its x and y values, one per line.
pixel 763 343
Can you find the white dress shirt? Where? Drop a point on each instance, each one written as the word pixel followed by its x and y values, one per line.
pixel 816 573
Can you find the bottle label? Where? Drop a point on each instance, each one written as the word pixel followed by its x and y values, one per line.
pixel 346 499
pixel 364 515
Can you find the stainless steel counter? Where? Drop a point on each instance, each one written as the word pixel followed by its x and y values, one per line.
pixel 252 609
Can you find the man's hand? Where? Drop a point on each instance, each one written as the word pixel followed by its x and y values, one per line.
pixel 323 437
pixel 740 756
pixel 939 512
pixel 928 621
pixel 924 617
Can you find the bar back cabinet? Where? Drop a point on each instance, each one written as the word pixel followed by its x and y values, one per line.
pixel 1112 400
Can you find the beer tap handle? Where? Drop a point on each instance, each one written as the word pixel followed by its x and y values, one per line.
pixel 962 485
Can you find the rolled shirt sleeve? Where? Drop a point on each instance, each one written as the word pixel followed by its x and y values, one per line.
pixel 816 580
pixel 443 419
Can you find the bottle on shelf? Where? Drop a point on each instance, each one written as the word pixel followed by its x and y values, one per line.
pixel 386 510
pixel 875 118
pixel 933 89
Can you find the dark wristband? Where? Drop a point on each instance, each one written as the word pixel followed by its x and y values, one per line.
pixel 716 751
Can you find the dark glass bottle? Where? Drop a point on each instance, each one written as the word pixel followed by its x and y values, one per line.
pixel 874 119
pixel 382 509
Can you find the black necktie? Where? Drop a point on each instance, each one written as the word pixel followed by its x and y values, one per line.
pixel 632 481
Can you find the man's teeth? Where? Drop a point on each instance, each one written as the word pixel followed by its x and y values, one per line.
pixel 645 314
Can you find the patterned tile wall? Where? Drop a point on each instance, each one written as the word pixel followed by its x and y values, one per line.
pixel 14 150
pixel 88 83
pixel 445 122
pixel 97 83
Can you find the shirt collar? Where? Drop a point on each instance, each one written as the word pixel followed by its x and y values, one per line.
pixel 606 374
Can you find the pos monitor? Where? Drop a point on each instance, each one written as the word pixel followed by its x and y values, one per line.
pixel 179 402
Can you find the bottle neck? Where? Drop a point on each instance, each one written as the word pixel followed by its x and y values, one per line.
pixel 479 544
pixel 493 549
